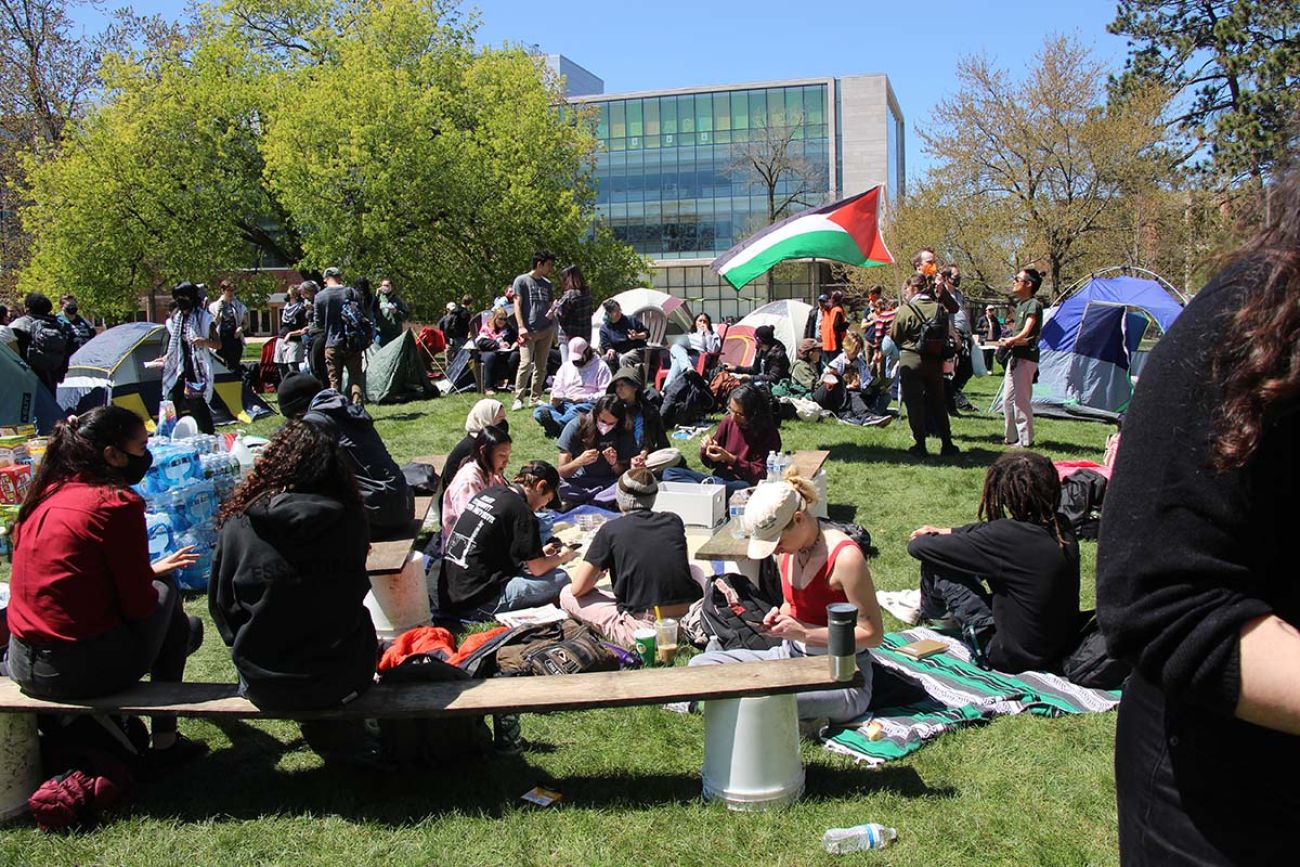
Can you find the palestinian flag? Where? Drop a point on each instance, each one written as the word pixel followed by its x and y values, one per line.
pixel 846 231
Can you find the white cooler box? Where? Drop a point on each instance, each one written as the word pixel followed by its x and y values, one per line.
pixel 697 505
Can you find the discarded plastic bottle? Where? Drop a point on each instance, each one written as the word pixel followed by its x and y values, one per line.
pixel 841 841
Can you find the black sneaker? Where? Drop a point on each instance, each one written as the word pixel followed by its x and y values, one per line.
pixel 949 449
pixel 184 750
pixel 918 450
pixel 507 735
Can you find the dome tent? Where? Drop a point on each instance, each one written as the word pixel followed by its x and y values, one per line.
pixel 24 399
pixel 788 319
pixel 111 369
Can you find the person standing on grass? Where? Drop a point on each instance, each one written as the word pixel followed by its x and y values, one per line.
pixel 494 559
pixel 580 380
pixel 1011 581
pixel 573 310
pixel 833 323
pixel 921 370
pixel 89 614
pixel 339 355
pixel 44 341
pixel 1196 575
pixel 391 313
pixel 534 297
pixel 818 566
pixel 644 553
pixel 186 371
pixel 294 321
pixel 231 318
pixel 83 331
pixel 288 587
pixel 1022 363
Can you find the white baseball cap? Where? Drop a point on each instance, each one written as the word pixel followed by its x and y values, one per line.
pixel 769 511
pixel 451 306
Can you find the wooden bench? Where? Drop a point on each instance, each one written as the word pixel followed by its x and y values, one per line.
pixel 464 697
pixel 388 556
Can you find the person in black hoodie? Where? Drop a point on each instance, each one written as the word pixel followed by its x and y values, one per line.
pixel 389 503
pixel 1028 616
pixel 771 364
pixel 289 579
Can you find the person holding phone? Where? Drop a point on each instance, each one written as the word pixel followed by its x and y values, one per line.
pixel 594 450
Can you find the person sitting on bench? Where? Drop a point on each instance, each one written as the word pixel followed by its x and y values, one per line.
pixel 387 499
pixel 818 566
pixel 494 559
pixel 576 386
pixel 595 449
pixel 484 468
pixel 644 553
pixel 88 614
pixel 289 582
pixel 1011 581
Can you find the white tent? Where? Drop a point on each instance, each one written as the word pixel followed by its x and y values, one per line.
pixel 788 319
pixel 662 314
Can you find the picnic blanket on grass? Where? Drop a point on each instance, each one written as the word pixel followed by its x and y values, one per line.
pixel 957 693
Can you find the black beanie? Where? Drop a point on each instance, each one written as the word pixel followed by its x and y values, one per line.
pixel 295 393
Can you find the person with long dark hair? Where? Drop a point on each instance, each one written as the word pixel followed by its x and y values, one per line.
pixel 288 583
pixel 594 450
pixel 737 451
pixel 488 411
pixel 88 614
pixel 1196 581
pixel 483 468
pixel 704 340
pixel 1010 581
pixel 573 310
pixel 1022 361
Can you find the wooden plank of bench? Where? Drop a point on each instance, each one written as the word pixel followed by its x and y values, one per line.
pixel 465 697
pixel 809 461
pixel 389 556
pixel 722 545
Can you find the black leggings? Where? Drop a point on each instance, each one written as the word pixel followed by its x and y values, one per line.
pixel 196 407
pixel 111 662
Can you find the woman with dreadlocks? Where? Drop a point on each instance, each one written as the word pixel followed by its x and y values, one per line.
pixel 1011 580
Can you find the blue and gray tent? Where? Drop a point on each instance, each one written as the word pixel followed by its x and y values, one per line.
pixel 111 368
pixel 1090 348
pixel 24 399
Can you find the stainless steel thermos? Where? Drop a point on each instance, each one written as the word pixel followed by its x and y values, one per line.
pixel 841 620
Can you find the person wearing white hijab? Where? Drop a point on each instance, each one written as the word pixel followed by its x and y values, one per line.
pixel 487 411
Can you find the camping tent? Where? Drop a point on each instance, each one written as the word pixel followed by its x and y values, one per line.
pixel 111 367
pixel 788 318
pixel 24 399
pixel 1089 348
pixel 395 372
pixel 663 315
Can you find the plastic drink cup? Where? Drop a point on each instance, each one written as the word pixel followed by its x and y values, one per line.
pixel 666 641
pixel 644 638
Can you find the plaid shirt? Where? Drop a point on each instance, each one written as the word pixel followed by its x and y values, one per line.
pixel 574 314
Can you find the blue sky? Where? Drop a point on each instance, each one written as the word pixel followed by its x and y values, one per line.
pixel 680 43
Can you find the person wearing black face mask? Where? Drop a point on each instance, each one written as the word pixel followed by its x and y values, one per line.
pixel 82 330
pixel 88 613
pixel 187 371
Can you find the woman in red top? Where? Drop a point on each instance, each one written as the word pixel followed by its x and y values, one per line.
pixel 88 613
pixel 818 566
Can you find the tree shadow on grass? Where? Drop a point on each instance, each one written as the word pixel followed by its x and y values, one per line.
pixel 405 416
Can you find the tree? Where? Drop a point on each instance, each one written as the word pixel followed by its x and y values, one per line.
pixel 1236 64
pixel 1048 153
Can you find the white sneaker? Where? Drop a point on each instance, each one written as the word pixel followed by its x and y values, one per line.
pixel 517 405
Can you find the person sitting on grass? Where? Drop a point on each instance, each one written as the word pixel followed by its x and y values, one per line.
pixel 1011 581
pixel 644 553
pixel 595 449
pixel 494 559
pixel 771 364
pixel 576 386
pixel 488 411
pixel 289 582
pixel 643 417
pixel 484 468
pixel 818 566
pixel 851 391
pixel 737 452
pixel 388 502
pixel 806 372
pixel 88 613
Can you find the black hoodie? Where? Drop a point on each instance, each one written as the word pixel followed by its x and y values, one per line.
pixel 288 584
pixel 388 500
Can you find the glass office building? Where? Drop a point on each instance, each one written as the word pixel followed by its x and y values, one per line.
pixel 675 179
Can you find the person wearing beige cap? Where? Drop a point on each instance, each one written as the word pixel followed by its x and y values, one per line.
pixel 818 566
pixel 644 553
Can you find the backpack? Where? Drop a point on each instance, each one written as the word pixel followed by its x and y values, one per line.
pixel 732 613
pixel 98 759
pixel 358 330
pixel 935 340
pixel 686 400
pixel 1089 664
pixel 565 647
pixel 227 323
pixel 857 533
pixel 50 345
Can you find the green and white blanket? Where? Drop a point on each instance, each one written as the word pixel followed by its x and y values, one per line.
pixel 958 694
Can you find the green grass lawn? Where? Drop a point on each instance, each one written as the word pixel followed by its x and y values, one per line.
pixel 1019 791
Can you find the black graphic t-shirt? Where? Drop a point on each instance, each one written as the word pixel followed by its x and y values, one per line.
pixel 493 536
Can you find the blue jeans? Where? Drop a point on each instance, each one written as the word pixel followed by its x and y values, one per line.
pixel 690 476
pixel 528 591
pixel 553 420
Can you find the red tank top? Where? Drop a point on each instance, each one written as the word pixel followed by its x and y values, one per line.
pixel 808 603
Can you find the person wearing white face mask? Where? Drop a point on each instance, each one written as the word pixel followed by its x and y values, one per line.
pixel 595 449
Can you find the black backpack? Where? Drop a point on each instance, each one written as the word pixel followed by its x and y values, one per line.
pixel 935 340
pixel 738 624
pixel 50 344
pixel 358 330
pixel 1089 664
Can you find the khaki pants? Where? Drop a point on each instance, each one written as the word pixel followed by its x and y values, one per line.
pixel 534 353
pixel 338 359
pixel 1017 397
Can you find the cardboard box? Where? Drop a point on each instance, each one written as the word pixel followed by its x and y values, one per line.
pixel 697 505
pixel 14 481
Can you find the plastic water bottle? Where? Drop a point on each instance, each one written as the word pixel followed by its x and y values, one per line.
pixel 736 513
pixel 242 454
pixel 158 526
pixel 859 838
pixel 769 465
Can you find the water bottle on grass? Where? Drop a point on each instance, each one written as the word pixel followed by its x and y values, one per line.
pixel 859 838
